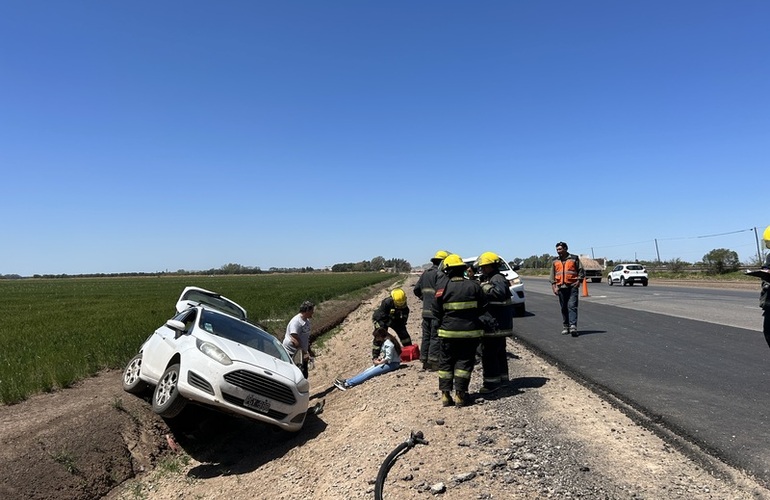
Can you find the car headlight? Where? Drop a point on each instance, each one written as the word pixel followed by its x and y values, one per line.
pixel 304 385
pixel 515 281
pixel 213 352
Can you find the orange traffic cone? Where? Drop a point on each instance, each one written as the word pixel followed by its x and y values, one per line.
pixel 585 288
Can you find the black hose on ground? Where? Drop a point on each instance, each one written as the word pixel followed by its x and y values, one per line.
pixel 415 438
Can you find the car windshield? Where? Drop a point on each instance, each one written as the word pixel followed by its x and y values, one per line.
pixel 242 333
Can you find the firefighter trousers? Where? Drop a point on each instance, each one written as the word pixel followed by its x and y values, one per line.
pixel 494 361
pixel 455 364
pixel 430 348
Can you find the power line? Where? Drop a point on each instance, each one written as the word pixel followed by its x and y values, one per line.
pixel 708 235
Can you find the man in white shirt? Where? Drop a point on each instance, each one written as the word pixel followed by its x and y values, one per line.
pixel 297 336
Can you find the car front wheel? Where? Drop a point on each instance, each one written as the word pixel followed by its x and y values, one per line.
pixel 166 400
pixel 622 281
pixel 131 381
pixel 609 280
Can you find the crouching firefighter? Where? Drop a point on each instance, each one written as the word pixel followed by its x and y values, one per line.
pixel 459 303
pixel 392 313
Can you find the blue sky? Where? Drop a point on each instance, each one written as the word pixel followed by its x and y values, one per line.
pixel 151 136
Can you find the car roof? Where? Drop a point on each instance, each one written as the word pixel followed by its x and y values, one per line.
pixel 193 296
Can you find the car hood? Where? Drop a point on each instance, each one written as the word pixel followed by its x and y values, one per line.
pixel 251 356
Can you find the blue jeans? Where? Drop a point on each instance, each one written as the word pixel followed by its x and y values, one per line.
pixel 568 300
pixel 370 372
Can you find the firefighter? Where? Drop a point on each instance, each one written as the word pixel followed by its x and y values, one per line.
pixel 425 290
pixel 494 360
pixel 392 313
pixel 459 303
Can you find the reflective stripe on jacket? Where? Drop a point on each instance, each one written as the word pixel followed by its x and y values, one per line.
pixel 425 290
pixel 458 307
pixel 566 271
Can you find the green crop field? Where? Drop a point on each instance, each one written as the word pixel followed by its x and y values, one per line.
pixel 54 332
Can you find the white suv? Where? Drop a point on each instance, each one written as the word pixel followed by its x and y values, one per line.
pixel 627 274
pixel 514 282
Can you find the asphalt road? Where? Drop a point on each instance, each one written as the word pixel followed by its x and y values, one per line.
pixel 693 360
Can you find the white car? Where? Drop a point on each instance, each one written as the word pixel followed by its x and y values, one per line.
pixel 628 274
pixel 514 282
pixel 209 354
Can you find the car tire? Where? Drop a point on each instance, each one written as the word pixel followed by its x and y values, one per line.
pixel 644 283
pixel 166 400
pixel 622 281
pixel 131 381
pixel 609 280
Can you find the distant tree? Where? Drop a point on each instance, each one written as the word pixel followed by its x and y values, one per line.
pixel 378 263
pixel 536 262
pixel 676 265
pixel 398 265
pixel 721 261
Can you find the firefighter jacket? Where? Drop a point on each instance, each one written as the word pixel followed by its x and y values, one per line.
pixel 566 272
pixel 764 303
pixel 389 315
pixel 459 303
pixel 425 290
pixel 500 305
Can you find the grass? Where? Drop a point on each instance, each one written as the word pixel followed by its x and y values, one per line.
pixel 55 332
pixel 67 460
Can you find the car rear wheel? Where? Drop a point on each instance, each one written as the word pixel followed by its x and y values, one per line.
pixel 644 283
pixel 166 400
pixel 131 381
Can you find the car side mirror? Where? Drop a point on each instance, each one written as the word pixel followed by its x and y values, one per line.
pixel 177 326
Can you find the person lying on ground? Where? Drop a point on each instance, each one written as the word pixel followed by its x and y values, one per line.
pixel 389 360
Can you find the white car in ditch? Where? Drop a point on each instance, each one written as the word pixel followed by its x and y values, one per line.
pixel 209 354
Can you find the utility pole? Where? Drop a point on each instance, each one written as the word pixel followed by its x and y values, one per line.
pixel 592 253
pixel 657 252
pixel 760 261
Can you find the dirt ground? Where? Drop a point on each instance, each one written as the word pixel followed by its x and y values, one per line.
pixel 544 436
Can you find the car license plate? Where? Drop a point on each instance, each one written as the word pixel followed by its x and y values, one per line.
pixel 256 403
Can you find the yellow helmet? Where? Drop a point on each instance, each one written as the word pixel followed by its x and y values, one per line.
pixel 440 255
pixel 766 236
pixel 454 260
pixel 399 297
pixel 488 258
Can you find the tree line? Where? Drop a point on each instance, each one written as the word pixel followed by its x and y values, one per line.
pixel 377 264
